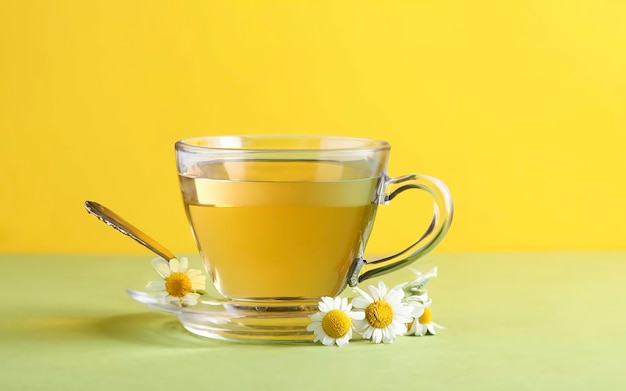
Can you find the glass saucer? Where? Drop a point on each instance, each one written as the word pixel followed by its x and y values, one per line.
pixel 240 320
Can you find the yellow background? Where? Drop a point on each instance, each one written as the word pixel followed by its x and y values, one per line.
pixel 519 106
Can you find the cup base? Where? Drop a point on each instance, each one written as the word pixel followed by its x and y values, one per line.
pixel 265 321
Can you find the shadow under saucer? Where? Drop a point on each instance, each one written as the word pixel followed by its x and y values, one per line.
pixel 149 329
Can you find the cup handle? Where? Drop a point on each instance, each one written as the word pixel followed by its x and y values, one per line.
pixel 362 269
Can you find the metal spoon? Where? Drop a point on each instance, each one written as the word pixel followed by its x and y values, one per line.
pixel 112 219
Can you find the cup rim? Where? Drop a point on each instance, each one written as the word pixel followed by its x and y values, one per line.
pixel 227 144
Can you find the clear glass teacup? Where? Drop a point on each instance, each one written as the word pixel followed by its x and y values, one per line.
pixel 288 217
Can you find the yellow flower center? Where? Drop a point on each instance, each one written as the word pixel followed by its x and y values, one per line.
pixel 426 317
pixel 336 323
pixel 177 284
pixel 379 314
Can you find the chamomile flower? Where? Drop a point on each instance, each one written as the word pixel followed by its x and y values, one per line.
pixel 178 283
pixel 423 324
pixel 385 315
pixel 333 323
pixel 418 303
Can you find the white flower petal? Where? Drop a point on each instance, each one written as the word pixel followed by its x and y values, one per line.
pixel 198 279
pixel 377 335
pixel 420 330
pixel 184 262
pixel 198 286
pixel 403 309
pixel 388 335
pixel 318 330
pixel 368 332
pixel 364 296
pixel 382 289
pixel 328 341
pixel 357 315
pixel 156 285
pixel 326 304
pixel 175 265
pixel 162 267
pixel 394 296
pixel 343 341
pixel 374 292
pixel 418 310
pixel 411 330
pixel 360 325
pixel 398 328
pixel 402 318
pixel 317 317
pixel 360 302
pixel 191 298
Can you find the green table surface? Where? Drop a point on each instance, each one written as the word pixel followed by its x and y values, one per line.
pixel 535 321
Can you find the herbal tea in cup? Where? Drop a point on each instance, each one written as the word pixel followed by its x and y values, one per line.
pixel 289 217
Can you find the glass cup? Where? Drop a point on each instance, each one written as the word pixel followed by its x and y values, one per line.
pixel 284 219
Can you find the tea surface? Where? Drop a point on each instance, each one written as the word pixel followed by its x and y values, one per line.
pixel 279 239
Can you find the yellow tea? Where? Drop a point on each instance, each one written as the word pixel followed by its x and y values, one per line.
pixel 278 238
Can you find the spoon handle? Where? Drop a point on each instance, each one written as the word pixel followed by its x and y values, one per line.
pixel 114 220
